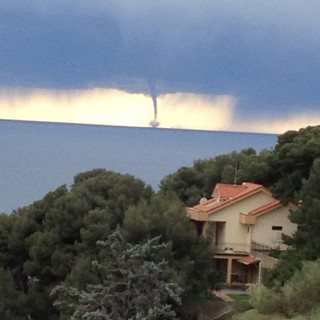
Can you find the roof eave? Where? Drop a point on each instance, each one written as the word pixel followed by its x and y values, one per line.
pixel 235 200
pixel 197 215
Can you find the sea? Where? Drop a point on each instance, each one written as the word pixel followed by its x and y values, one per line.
pixel 38 157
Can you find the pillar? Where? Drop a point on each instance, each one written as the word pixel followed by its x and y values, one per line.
pixel 229 270
pixel 205 228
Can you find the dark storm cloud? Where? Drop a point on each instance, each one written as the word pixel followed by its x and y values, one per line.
pixel 265 53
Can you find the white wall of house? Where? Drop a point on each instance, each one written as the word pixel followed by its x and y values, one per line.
pixel 266 230
pixel 234 231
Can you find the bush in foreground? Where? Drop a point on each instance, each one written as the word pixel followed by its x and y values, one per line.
pixel 298 296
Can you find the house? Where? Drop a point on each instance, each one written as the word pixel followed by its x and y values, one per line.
pixel 245 223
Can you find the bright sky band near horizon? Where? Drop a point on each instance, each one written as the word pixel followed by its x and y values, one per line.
pixel 119 108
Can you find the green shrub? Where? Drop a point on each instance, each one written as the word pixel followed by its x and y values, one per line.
pixel 298 296
pixel 302 292
pixel 266 300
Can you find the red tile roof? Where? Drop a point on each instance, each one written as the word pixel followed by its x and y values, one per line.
pixel 207 206
pixel 266 208
pixel 248 260
pixel 234 190
pixel 229 193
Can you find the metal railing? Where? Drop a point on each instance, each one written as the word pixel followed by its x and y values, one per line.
pixel 261 247
pixel 238 247
pixel 232 247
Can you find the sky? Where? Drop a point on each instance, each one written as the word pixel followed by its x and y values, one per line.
pixel 241 65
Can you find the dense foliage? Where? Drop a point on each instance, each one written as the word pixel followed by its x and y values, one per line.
pixel 293 158
pixel 190 184
pixel 53 241
pixel 299 295
pixel 131 285
pixel 282 169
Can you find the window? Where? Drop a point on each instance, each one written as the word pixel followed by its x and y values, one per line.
pixel 278 228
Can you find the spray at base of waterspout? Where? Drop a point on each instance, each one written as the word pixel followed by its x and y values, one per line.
pixel 154 123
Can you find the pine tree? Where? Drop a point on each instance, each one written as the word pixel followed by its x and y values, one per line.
pixel 131 285
pixel 306 240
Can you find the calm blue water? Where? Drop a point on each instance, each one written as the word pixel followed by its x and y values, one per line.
pixel 38 157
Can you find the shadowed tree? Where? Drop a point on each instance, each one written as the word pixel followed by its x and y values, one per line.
pixel 189 255
pixel 43 242
pixel 306 240
pixel 189 184
pixel 131 285
pixel 293 158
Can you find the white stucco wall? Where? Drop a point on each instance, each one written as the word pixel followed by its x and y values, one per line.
pixel 262 231
pixel 234 231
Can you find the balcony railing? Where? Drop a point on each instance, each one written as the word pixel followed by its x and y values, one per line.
pixel 261 247
pixel 244 248
pixel 232 248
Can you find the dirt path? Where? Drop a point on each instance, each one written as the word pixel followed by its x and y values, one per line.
pixel 222 294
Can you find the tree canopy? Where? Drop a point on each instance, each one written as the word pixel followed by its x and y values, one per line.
pixel 283 168
pixel 292 160
pixel 131 284
pixel 192 183
pixel 53 241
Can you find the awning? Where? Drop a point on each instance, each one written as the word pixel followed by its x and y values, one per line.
pixel 248 260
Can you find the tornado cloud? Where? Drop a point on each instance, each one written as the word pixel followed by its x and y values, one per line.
pixel 152 88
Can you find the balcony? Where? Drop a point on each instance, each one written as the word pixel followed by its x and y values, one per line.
pixel 232 248
pixel 244 248
pixel 247 219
